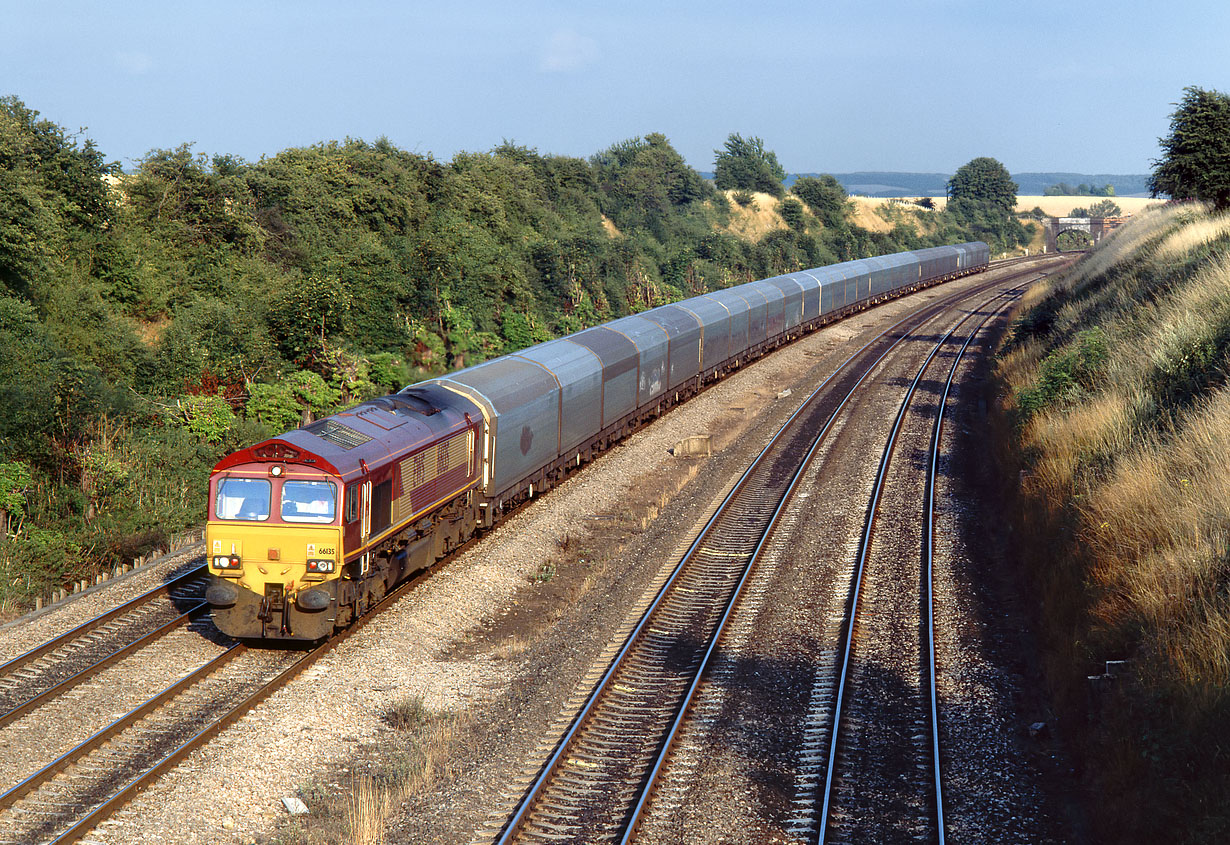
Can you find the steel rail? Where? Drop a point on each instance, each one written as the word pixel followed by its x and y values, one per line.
pixel 102 619
pixel 198 610
pixel 77 752
pixel 929 547
pixel 864 552
pixel 785 501
pixel 922 315
pixel 130 790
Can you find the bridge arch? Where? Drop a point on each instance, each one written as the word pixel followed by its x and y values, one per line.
pixel 1094 227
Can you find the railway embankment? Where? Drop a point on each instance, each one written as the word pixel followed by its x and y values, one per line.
pixel 1114 418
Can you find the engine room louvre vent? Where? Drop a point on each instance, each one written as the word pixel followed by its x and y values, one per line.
pixel 335 432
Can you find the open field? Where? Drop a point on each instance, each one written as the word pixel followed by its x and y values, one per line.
pixel 1054 206
pixel 760 217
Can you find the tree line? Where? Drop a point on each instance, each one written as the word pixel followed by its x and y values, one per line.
pixel 152 321
pixel 1063 189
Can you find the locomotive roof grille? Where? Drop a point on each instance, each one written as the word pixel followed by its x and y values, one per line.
pixel 335 432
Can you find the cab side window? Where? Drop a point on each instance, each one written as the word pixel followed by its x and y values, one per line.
pixel 352 502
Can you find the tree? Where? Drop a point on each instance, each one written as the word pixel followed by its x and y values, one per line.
pixel 986 182
pixel 642 181
pixel 14 484
pixel 1102 208
pixel 193 201
pixel 982 200
pixel 825 196
pixel 791 211
pixel 745 164
pixel 1195 162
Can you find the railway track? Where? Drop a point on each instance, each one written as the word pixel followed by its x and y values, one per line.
pixel 67 798
pixel 157 736
pixel 598 781
pixel 31 679
pixel 755 753
pixel 883 777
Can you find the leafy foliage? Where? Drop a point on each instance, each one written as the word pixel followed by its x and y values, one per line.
pixel 1195 162
pixel 791 211
pixel 983 181
pixel 982 198
pixel 208 416
pixel 826 198
pixel 1103 208
pixel 1063 189
pixel 152 321
pixel 745 164
pixel 1066 376
pixel 14 484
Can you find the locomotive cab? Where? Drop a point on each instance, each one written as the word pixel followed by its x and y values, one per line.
pixel 308 530
pixel 274 546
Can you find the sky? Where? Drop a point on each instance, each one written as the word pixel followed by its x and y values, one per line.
pixel 830 85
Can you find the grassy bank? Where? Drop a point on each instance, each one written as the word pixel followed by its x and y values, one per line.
pixel 1116 414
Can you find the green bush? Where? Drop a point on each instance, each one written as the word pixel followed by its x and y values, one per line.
pixel 1066 375
pixel 209 417
pixel 791 211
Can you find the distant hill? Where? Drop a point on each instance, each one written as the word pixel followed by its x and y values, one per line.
pixel 873 183
pixel 1126 185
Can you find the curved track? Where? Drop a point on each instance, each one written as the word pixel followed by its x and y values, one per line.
pixel 859 708
pixel 597 782
pixel 109 768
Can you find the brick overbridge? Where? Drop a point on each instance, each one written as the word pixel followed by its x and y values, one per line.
pixel 1094 227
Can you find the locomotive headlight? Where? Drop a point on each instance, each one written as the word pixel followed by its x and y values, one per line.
pixel 226 562
pixel 320 566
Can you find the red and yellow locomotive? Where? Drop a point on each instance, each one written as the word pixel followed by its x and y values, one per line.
pixel 310 528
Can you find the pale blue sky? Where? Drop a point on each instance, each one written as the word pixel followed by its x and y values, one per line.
pixel 830 86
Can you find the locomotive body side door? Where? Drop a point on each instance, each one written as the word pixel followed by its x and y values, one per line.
pixel 365 529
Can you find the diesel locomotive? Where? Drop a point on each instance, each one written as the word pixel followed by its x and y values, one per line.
pixel 306 531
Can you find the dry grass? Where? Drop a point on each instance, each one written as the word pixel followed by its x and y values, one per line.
pixel 1198 233
pixel 1053 206
pixel 756 219
pixel 866 216
pixel 880 214
pixel 1126 515
pixel 366 809
pixel 1160 546
pixel 1062 206
pixel 356 808
pixel 150 331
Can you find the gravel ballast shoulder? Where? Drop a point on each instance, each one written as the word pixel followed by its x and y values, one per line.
pixel 498 638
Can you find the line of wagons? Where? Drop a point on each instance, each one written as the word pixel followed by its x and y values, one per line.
pixel 307 530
